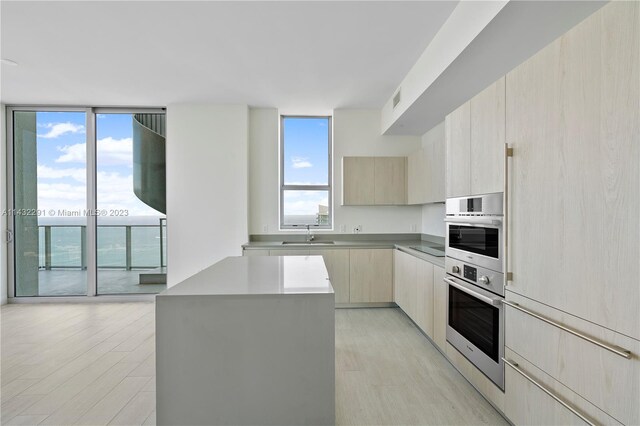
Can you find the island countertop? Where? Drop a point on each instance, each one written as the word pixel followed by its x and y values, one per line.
pixel 259 275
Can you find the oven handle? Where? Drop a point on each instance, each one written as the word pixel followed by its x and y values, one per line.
pixel 473 221
pixel 493 301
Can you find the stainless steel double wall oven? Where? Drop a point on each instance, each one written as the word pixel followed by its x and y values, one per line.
pixel 475 277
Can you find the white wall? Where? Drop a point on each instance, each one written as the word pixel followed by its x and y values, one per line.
pixel 206 185
pixel 3 205
pixel 355 133
pixel 433 214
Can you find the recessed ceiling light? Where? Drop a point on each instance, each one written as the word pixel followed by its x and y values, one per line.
pixel 9 62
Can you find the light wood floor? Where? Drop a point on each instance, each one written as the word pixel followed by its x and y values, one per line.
pixel 94 364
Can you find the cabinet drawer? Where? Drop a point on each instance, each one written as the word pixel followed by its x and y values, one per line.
pixel 526 404
pixel 608 381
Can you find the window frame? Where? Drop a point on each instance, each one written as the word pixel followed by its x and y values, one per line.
pixel 328 187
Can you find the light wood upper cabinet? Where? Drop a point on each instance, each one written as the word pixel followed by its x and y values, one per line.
pixel 435 152
pixel 426 169
pixel 488 139
pixel 337 263
pixel 390 175
pixel 458 142
pixel 371 275
pixel 358 181
pixel 475 138
pixel 573 117
pixel 417 186
pixel 439 308
pixel 374 181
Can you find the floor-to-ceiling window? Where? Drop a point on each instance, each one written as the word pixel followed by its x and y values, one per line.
pixel 130 199
pixel 88 201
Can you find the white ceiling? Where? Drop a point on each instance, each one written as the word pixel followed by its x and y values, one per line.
pixel 292 55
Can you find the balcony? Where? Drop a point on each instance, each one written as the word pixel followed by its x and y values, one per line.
pixel 131 259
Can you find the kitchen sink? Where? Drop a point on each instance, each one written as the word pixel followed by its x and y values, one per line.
pixel 315 243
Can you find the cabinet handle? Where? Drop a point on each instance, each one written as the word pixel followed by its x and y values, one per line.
pixel 615 349
pixel 565 404
pixel 508 153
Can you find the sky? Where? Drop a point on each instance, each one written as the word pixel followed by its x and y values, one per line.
pixel 306 162
pixel 61 159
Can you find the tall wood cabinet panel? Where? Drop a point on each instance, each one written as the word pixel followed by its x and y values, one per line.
pixel 487 139
pixel 439 308
pixel 390 176
pixel 424 296
pixel 358 180
pixel 458 151
pixel 337 263
pixel 371 275
pixel 573 119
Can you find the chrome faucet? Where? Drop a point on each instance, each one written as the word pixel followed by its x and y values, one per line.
pixel 310 236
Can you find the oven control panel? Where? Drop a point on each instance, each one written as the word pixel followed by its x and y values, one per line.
pixel 482 277
pixel 470 273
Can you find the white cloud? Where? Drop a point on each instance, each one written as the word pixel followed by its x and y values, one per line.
pixel 59 129
pixel 114 191
pixel 110 152
pixel 72 153
pixel 300 163
pixel 45 172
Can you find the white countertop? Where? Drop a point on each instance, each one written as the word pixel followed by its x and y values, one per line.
pixel 257 275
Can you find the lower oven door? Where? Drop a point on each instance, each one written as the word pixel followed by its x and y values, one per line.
pixel 475 327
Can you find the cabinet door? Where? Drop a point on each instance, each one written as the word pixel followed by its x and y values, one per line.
pixel 424 296
pixel 458 141
pixel 435 166
pixel 439 308
pixel 405 270
pixel 526 404
pixel 358 181
pixel 371 275
pixel 573 119
pixel 390 177
pixel 487 139
pixel 417 172
pixel 337 263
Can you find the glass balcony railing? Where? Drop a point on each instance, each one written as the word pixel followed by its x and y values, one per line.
pixel 126 247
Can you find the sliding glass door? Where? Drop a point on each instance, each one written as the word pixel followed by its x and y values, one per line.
pixel 131 201
pixel 87 202
pixel 50 196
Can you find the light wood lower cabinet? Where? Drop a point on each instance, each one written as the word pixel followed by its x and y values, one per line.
pixel 415 292
pixel 608 381
pixel 439 308
pixel 371 275
pixel 405 281
pixel 289 252
pixel 337 263
pixel 526 404
pixel 424 296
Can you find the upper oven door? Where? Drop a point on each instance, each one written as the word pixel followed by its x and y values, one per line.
pixel 476 241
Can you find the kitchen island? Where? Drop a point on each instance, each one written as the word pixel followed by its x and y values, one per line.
pixel 249 340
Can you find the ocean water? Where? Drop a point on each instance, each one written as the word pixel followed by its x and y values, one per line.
pixel 67 245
